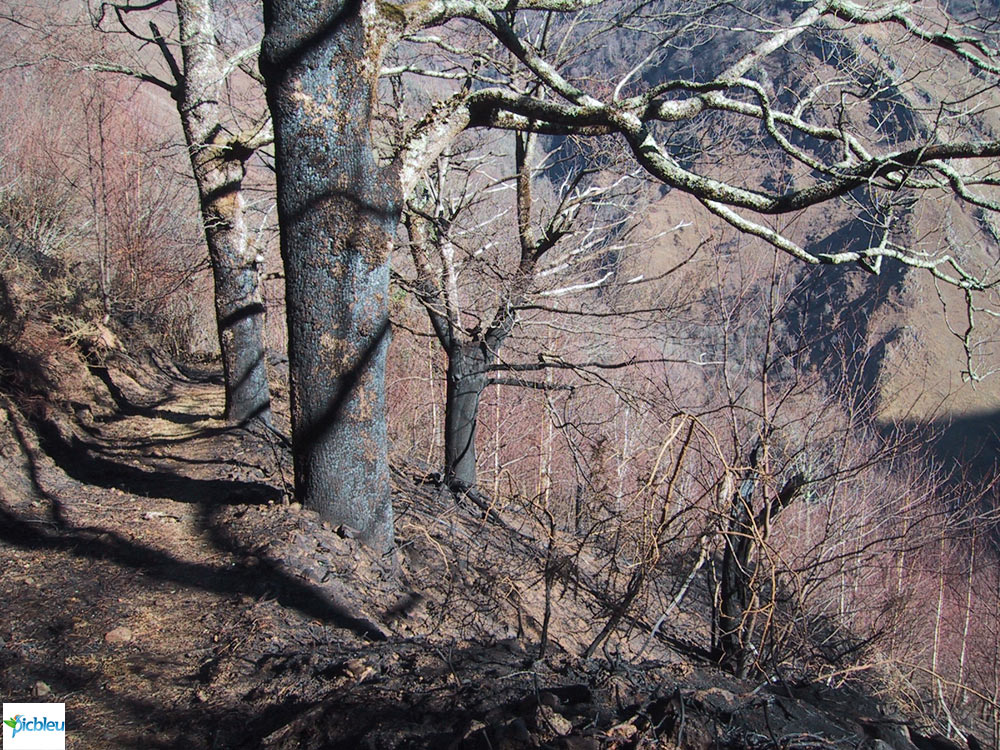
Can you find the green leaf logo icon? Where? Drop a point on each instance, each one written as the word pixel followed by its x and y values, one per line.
pixel 11 722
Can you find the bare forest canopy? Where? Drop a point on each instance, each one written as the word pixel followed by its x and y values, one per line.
pixel 696 299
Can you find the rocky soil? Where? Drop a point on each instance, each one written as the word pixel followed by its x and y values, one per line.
pixel 158 582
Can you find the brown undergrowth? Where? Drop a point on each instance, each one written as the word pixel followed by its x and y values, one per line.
pixel 157 581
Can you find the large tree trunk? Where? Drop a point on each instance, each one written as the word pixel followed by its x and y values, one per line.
pixel 467 379
pixel 337 212
pixel 219 171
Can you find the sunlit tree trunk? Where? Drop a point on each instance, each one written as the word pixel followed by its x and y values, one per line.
pixel 939 608
pixel 432 444
pixel 547 453
pixel 963 697
pixel 996 664
pixel 219 169
pixel 338 211
pixel 496 442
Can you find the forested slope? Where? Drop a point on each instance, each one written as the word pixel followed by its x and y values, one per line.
pixel 656 481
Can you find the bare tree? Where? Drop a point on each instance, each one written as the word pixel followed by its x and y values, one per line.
pixel 339 208
pixel 475 274
pixel 219 150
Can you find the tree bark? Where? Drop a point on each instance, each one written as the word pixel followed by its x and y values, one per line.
pixel 337 212
pixel 746 532
pixel 467 379
pixel 219 171
pixel 735 593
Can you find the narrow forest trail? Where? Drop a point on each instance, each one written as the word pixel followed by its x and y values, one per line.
pixel 118 599
pixel 157 582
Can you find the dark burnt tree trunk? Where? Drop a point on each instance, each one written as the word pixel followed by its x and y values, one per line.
pixel 468 363
pixel 472 357
pixel 735 589
pixel 746 531
pixel 218 162
pixel 337 211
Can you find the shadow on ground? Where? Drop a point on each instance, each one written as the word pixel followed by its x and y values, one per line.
pixel 79 461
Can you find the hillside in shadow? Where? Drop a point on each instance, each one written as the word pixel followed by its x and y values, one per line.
pixel 967 447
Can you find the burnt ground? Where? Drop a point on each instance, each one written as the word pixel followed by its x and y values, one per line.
pixel 158 582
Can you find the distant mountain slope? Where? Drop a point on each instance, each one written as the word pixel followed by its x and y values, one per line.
pixel 899 331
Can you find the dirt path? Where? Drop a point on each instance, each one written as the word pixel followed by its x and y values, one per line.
pixel 119 602
pixel 157 582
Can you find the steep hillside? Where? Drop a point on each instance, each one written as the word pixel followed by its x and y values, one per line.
pixel 160 585
pixel 158 582
pixel 707 509
pixel 899 332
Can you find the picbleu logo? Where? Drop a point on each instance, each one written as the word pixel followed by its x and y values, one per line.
pixel 34 726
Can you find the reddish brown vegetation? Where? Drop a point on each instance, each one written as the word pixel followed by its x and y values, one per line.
pixel 604 509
